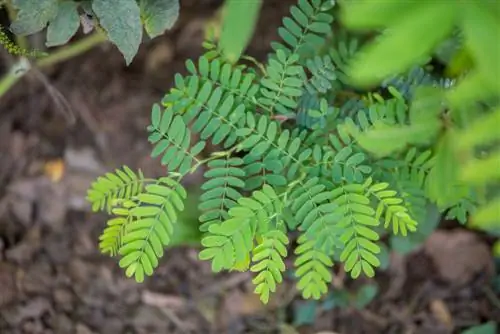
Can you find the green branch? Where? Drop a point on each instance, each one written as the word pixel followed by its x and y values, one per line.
pixel 23 66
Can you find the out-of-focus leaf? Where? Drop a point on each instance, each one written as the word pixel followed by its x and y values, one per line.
pixel 365 295
pixel 305 313
pixel 367 14
pixel 238 26
pixel 444 174
pixel 487 328
pixel 482 131
pixel 384 257
pixel 496 249
pixel 396 50
pixel 336 298
pixel 384 139
pixel 405 245
pixel 487 216
pixel 482 171
pixel 481 29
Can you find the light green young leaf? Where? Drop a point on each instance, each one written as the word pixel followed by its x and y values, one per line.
pixel 383 139
pixel 444 174
pixel 238 26
pixel 159 15
pixel 33 15
pixel 404 43
pixel 487 217
pixel 482 131
pixel 482 40
pixel 64 25
pixel 122 21
pixel 367 14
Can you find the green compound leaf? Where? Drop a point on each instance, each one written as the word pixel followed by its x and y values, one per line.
pixel 33 15
pixel 64 25
pixel 159 15
pixel 122 21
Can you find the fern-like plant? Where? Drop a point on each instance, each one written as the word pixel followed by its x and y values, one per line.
pixel 301 150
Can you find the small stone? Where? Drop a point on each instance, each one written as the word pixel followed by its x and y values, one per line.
pixel 53 246
pixel 2 246
pixel 37 279
pixel 83 159
pixel 150 320
pixel 34 309
pixel 82 329
pixel 91 316
pixel 33 326
pixel 7 284
pixel 113 325
pixel 63 324
pixel 26 249
pixel 64 299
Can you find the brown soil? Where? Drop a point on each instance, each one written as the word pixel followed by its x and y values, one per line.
pixel 53 279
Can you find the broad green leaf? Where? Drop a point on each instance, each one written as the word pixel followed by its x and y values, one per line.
pixel 482 171
pixel 487 328
pixel 365 295
pixel 370 14
pixel 238 26
pixel 405 43
pixel 383 140
pixel 472 88
pixel 488 216
pixel 482 40
pixel 496 249
pixel 64 25
pixel 444 174
pixel 481 131
pixel 33 15
pixel 159 15
pixel 305 313
pixel 404 245
pixel 384 257
pixel 122 21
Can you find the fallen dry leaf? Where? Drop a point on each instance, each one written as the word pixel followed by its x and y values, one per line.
pixel 441 312
pixel 458 255
pixel 54 169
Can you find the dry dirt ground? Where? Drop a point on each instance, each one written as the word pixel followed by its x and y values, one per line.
pixel 53 279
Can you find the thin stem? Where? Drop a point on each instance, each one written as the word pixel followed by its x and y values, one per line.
pixel 15 73
pixel 72 50
pixel 215 155
pixel 62 54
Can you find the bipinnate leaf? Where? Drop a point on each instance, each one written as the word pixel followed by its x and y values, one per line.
pixel 64 25
pixel 33 15
pixel 159 15
pixel 122 21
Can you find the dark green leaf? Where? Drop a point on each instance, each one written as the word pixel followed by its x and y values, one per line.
pixel 33 15
pixel 159 15
pixel 122 21
pixel 64 25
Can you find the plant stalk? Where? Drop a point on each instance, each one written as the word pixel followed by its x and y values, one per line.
pixel 64 53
